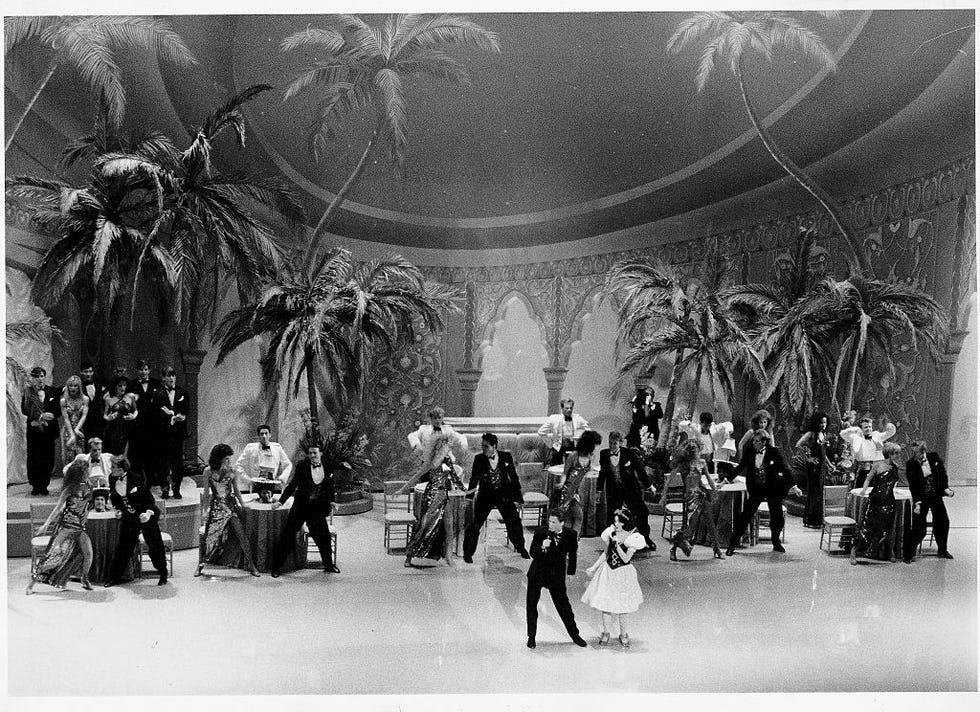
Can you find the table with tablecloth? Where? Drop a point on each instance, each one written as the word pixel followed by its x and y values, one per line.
pixel 856 505
pixel 458 516
pixel 103 530
pixel 728 503
pixel 263 527
pixel 593 521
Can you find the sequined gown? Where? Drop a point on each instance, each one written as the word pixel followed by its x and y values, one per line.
pixel 429 540
pixel 64 558
pixel 871 539
pixel 701 503
pixel 72 413
pixel 222 545
pixel 564 497
pixel 116 435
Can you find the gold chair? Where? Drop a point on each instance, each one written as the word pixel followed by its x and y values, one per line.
pixel 168 543
pixel 675 507
pixel 398 511
pixel 39 543
pixel 533 484
pixel 834 519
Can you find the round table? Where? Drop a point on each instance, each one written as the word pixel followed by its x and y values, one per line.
pixel 263 527
pixel 458 516
pixel 103 530
pixel 588 496
pixel 856 505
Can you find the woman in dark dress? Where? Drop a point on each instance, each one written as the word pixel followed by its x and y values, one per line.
pixel 432 537
pixel 120 411
pixel 873 538
pixel 224 541
pixel 814 467
pixel 701 487
pixel 646 413
pixel 578 464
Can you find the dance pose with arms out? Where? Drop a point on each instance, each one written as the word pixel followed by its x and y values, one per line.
pixel 224 537
pixel 554 552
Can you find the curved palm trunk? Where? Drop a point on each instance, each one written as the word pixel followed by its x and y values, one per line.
pixel 851 379
pixel 675 377
pixel 859 259
pixel 311 387
pixel 321 227
pixel 696 388
pixel 30 105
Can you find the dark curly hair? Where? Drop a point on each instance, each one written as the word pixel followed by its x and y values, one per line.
pixel 588 442
pixel 813 424
pixel 218 453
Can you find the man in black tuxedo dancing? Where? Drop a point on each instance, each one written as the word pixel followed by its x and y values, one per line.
pixel 496 477
pixel 137 512
pixel 623 479
pixel 311 488
pixel 554 549
pixel 928 483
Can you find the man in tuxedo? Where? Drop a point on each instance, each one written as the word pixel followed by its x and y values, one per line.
pixel 141 437
pixel 95 420
pixel 99 463
pixel 495 479
pixel 563 430
pixel 767 479
pixel 264 459
pixel 137 513
pixel 623 478
pixel 170 405
pixel 311 488
pixel 928 483
pixel 41 406
pixel 867 444
pixel 554 550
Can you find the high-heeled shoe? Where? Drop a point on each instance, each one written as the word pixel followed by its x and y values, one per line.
pixel 86 585
pixel 408 563
pixel 255 573
pixel 604 638
pixel 718 554
pixel 673 553
pixel 200 571
pixel 624 640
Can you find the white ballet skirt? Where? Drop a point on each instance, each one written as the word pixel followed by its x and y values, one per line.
pixel 616 590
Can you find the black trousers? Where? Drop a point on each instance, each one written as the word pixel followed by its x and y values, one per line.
pixel 40 456
pixel 315 518
pixel 940 525
pixel 168 470
pixel 559 595
pixel 776 519
pixel 140 455
pixel 481 510
pixel 129 534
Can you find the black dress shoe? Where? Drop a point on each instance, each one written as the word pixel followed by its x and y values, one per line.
pixel 468 559
pixel 525 555
pixel 331 569
pixel 531 644
pixel 274 573
pixel 177 494
pixel 165 493
pixel 579 641
pixel 778 547
pixel 907 559
pixel 944 555
pixel 44 491
pixel 110 583
pixel 163 580
pixel 730 551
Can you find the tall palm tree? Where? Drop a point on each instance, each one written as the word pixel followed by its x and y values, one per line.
pixel 331 318
pixel 727 37
pixel 88 45
pixel 791 324
pixel 357 66
pixel 873 314
pixel 39 330
pixel 665 313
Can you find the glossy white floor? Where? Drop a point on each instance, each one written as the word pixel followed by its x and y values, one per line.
pixel 759 622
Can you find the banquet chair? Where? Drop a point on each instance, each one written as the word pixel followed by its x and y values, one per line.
pixel 763 519
pixel 675 507
pixel 168 544
pixel 311 544
pixel 39 543
pixel 533 484
pixel 834 519
pixel 397 511
pixel 932 536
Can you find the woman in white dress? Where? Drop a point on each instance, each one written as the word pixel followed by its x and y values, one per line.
pixel 614 589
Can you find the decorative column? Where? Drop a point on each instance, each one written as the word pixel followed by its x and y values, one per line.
pixel 555 376
pixel 469 378
pixel 947 365
pixel 192 359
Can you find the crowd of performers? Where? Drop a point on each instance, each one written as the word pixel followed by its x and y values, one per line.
pixel 704 454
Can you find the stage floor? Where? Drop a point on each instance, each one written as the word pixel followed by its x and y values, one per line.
pixel 758 622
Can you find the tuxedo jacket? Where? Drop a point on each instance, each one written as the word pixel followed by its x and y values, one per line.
pixel 141 500
pixel 510 485
pixel 549 567
pixel 146 418
pixel 50 402
pixel 779 480
pixel 170 431
pixel 552 428
pixel 300 487
pixel 633 477
pixel 917 480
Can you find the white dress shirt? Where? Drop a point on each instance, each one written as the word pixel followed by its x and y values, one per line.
pixel 423 438
pixel 867 449
pixel 256 462
pixel 555 427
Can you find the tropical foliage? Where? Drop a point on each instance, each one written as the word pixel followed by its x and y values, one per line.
pixel 88 46
pixel 357 67
pixel 727 38
pixel 41 331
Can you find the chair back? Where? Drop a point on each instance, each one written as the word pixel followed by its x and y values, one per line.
pixel 834 500
pixel 674 488
pixel 397 502
pixel 531 447
pixel 531 476
pixel 39 512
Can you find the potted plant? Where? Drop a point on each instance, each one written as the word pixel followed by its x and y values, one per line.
pixel 344 453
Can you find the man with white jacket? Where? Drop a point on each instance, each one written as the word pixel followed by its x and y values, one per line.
pixel 563 430
pixel 99 463
pixel 867 444
pixel 421 440
pixel 264 460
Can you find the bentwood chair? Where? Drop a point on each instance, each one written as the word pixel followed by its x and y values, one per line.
pixel 675 507
pixel 834 519
pixel 311 545
pixel 39 543
pixel 533 484
pixel 764 519
pixel 397 511
pixel 168 543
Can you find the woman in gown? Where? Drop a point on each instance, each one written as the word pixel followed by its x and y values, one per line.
pixel 645 414
pixel 74 410
pixel 873 538
pixel 69 552
pixel 577 465
pixel 701 487
pixel 119 411
pixel 614 589
pixel 433 536
pixel 813 454
pixel 224 541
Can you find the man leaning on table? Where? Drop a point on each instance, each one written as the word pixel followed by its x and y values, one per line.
pixel 264 459
pixel 866 443
pixel 563 430
pixel 928 484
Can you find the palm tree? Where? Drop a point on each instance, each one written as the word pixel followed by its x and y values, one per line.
pixel 873 314
pixel 791 324
pixel 727 37
pixel 39 330
pixel 88 44
pixel 357 66
pixel 665 313
pixel 331 318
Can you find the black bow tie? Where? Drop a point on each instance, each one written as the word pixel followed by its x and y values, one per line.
pixel 867 437
pixel 95 458
pixel 266 447
pixel 143 382
pixel 171 390
pixel 568 419
pixel 437 430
